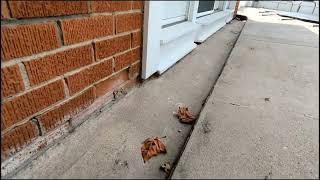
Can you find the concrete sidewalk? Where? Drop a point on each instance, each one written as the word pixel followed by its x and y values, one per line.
pixel 262 120
pixel 108 146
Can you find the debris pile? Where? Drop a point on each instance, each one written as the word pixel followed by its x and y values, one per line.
pixel 153 146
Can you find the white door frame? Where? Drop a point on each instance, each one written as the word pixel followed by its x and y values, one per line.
pixel 155 37
pixel 162 47
pixel 151 37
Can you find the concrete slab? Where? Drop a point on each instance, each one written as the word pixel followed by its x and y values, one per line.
pixel 262 119
pixel 295 32
pixel 265 17
pixel 109 146
pixel 281 33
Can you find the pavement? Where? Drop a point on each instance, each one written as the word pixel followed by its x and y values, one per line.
pixel 262 119
pixel 108 146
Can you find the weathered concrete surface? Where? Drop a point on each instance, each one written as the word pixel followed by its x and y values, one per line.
pixel 109 146
pixel 262 119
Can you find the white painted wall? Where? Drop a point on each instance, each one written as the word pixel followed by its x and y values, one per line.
pixel 300 9
pixel 304 7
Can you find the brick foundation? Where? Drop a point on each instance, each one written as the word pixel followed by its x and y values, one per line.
pixel 58 58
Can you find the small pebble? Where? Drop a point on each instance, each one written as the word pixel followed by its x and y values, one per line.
pixel 166 167
pixel 179 130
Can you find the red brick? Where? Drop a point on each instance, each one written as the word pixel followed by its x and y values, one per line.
pixel 112 46
pixel 59 115
pixel 11 81
pixel 24 40
pixel 82 29
pixel 135 70
pixel 136 39
pixel 110 6
pixel 27 9
pixel 123 60
pixel 109 84
pixel 84 78
pixel 4 10
pixel 128 22
pixel 17 138
pixel 20 107
pixel 137 4
pixel 42 69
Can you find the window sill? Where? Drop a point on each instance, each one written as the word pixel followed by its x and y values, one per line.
pixel 206 20
pixel 212 23
pixel 173 32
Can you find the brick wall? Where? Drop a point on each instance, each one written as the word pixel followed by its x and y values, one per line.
pixel 58 57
